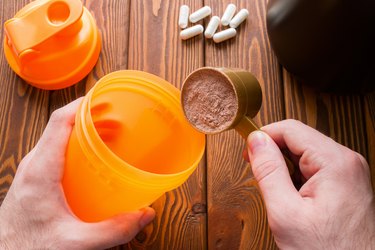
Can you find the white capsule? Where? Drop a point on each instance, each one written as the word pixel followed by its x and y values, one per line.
pixel 228 14
pixel 184 16
pixel 200 14
pixel 212 27
pixel 224 35
pixel 191 32
pixel 239 18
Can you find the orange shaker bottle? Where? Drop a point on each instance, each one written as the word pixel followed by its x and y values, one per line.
pixel 52 44
pixel 130 144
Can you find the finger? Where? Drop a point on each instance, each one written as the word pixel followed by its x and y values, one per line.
pixel 295 135
pixel 305 142
pixel 294 158
pixel 117 230
pixel 271 172
pixel 50 150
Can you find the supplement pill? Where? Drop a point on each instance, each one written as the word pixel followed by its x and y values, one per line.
pixel 200 14
pixel 191 32
pixel 224 35
pixel 228 14
pixel 184 16
pixel 212 27
pixel 239 18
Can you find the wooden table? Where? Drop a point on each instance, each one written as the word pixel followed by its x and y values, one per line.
pixel 219 207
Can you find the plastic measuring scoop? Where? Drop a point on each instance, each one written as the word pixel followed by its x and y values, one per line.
pixel 218 99
pixel 130 144
pixel 52 44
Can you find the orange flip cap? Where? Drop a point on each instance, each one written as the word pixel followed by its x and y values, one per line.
pixel 52 44
pixel 59 16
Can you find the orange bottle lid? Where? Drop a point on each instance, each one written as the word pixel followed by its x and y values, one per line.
pixel 52 44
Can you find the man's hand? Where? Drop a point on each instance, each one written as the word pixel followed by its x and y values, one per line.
pixel 35 215
pixel 334 208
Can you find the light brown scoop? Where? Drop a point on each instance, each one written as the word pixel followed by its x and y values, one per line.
pixel 209 101
pixel 219 99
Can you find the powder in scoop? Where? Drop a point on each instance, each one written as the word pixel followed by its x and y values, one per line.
pixel 209 101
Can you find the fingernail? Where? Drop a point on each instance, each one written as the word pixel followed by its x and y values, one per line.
pixel 147 217
pixel 256 140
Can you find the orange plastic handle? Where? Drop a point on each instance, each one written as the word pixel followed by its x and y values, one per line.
pixel 42 22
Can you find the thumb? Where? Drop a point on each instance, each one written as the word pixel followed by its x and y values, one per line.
pixel 270 170
pixel 117 230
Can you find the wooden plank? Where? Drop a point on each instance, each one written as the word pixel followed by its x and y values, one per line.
pixel 339 116
pixel 112 19
pixel 344 118
pixel 155 47
pixel 23 111
pixel 370 128
pixel 236 213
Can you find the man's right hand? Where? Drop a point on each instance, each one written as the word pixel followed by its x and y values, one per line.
pixel 334 208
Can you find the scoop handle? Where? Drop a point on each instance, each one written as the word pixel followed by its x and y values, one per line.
pixel 246 126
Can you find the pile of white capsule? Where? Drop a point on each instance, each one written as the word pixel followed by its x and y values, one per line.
pixel 228 18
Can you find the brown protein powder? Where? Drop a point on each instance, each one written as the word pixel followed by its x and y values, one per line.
pixel 209 101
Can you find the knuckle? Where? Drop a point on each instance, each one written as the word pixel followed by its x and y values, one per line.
pixel 293 122
pixel 311 157
pixel 29 186
pixel 24 164
pixel 354 161
pixel 70 238
pixel 290 126
pixel 264 169
pixel 58 115
pixel 26 197
pixel 26 178
pixel 361 160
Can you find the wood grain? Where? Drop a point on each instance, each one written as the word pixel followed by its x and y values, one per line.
pixel 23 111
pixel 370 129
pixel 348 119
pixel 112 20
pixel 155 47
pixel 340 117
pixel 236 213
pixel 220 206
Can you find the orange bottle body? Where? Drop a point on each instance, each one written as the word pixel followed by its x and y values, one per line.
pixel 130 145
